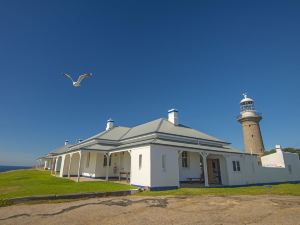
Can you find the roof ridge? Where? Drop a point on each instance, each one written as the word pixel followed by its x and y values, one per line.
pixel 125 133
pixel 159 125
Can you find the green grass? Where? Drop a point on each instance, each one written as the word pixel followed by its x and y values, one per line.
pixel 279 189
pixel 21 183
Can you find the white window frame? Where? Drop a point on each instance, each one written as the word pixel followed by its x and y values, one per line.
pixel 140 161
pixel 185 159
pixel 88 159
pixel 163 162
pixel 105 161
pixel 290 169
pixel 236 166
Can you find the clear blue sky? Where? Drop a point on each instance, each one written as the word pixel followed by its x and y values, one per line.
pixel 146 57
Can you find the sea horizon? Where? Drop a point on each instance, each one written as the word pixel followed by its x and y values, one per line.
pixel 4 168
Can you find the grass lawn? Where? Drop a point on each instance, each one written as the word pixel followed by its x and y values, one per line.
pixel 279 189
pixel 21 183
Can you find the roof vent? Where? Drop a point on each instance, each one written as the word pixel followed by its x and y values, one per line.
pixel 109 124
pixel 173 116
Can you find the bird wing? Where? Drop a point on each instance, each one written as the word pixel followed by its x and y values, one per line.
pixel 68 75
pixel 81 77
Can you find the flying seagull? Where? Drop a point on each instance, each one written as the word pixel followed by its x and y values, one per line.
pixel 80 78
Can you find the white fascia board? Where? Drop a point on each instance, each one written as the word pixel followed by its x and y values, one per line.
pixel 129 149
pixel 107 142
pixel 178 148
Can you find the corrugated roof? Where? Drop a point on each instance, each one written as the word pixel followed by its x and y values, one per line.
pixel 200 147
pixel 181 130
pixel 99 147
pixel 164 126
pixel 112 134
pixel 62 149
pixel 142 129
pixel 115 133
pixel 159 126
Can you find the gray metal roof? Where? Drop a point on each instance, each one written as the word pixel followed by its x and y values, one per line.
pixel 225 148
pixel 115 133
pixel 143 129
pixel 164 126
pixel 181 130
pixel 121 137
pixel 60 150
pixel 99 147
pixel 194 146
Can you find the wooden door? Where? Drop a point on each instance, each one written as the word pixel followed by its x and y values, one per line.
pixel 213 170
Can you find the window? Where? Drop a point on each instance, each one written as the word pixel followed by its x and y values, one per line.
pixel 88 158
pixel 163 162
pixel 184 159
pixel 236 166
pixel 140 161
pixel 290 169
pixel 105 160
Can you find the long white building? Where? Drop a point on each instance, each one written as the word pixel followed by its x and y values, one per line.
pixel 164 154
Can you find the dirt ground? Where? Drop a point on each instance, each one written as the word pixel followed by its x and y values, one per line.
pixel 159 210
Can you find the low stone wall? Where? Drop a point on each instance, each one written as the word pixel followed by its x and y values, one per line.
pixel 70 196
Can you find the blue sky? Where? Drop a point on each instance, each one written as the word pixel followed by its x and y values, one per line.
pixel 146 57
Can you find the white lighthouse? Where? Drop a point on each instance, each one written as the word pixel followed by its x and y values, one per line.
pixel 250 119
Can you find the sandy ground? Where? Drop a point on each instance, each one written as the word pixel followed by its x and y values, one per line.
pixel 159 210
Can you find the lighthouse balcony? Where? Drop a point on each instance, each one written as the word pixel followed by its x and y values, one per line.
pixel 247 114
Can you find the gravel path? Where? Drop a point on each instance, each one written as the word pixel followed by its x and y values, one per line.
pixel 159 210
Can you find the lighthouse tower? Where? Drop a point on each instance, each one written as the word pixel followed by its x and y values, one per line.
pixel 249 119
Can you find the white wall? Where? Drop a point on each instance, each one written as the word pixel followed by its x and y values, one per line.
pixel 247 174
pixel 95 167
pixel 117 164
pixel 193 170
pixel 88 169
pixel 170 176
pixel 64 165
pixel 293 160
pixel 125 161
pixel 47 164
pixel 223 166
pixel 273 160
pixel 151 174
pixel 58 164
pixel 140 177
pixel 74 164
pixel 253 173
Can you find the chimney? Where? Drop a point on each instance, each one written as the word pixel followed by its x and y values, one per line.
pixel 278 148
pixel 109 124
pixel 66 142
pixel 173 116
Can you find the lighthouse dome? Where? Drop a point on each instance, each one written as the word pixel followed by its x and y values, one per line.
pixel 246 100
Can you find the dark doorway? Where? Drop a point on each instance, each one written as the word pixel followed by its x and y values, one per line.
pixel 214 172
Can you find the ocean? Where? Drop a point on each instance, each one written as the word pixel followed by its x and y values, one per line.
pixel 8 168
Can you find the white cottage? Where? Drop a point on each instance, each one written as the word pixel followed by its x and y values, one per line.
pixel 164 154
